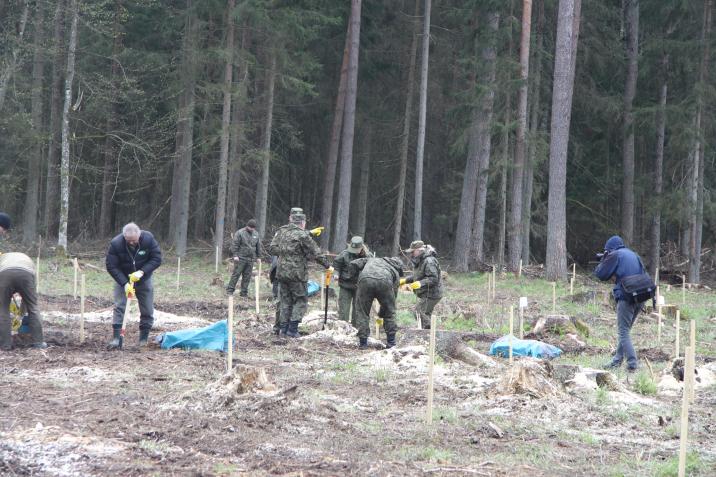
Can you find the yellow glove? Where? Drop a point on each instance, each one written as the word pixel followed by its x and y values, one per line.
pixel 317 231
pixel 16 323
pixel 129 290
pixel 402 282
pixel 415 285
pixel 379 321
pixel 136 276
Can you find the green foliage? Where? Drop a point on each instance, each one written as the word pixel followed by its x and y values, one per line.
pixel 694 466
pixel 644 384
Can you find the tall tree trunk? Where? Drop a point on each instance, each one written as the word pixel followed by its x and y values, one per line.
pixel 65 163
pixel 364 181
pixel 697 212
pixel 564 68
pixel 12 61
pixel 52 199
pixel 515 228
pixel 237 135
pixel 199 220
pixel 262 189
pixel 533 140
pixel 484 136
pixel 418 212
pixel 108 184
pixel 225 123
pixel 504 162
pixel 32 197
pixel 349 113
pixel 654 250
pixel 631 20
pixel 334 145
pixel 184 146
pixel 405 142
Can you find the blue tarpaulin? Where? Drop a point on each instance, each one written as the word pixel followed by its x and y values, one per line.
pixel 534 348
pixel 312 288
pixel 213 337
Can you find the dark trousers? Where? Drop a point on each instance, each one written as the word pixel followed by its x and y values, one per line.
pixel 242 269
pixel 370 289
pixel 17 280
pixel 626 316
pixel 293 301
pixel 144 292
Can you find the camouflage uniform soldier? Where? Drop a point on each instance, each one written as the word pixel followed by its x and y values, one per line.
pixel 294 247
pixel 378 279
pixel 245 248
pixel 347 278
pixel 425 280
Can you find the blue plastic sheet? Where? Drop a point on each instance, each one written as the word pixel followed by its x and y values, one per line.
pixel 312 288
pixel 534 348
pixel 213 337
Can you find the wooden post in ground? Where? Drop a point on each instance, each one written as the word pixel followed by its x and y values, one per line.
pixel 82 309
pixel 519 270
pixel 523 305
pixel 656 276
pixel 257 285
pixel 692 345
pixel 683 438
pixel 431 369
pixel 216 261
pixel 683 289
pixel 494 283
pixel 574 271
pixel 230 328
pixel 76 267
pixel 658 312
pixel 489 287
pixel 37 274
pixel 512 320
pixel 554 297
pixel 178 271
pixel 571 286
pixel 678 329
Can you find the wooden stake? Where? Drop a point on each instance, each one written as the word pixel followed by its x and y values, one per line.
pixel 656 276
pixel 512 320
pixel 216 260
pixel 494 283
pixel 658 312
pixel 678 328
pixel 692 345
pixel 519 270
pixel 230 328
pixel 522 322
pixel 76 266
pixel 554 297
pixel 683 289
pixel 683 438
pixel 82 309
pixel 489 288
pixel 178 271
pixel 37 275
pixel 571 286
pixel 431 369
pixel 574 272
pixel 257 287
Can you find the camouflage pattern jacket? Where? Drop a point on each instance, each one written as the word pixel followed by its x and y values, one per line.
pixel 294 247
pixel 246 244
pixel 15 260
pixel 427 272
pixel 388 269
pixel 347 276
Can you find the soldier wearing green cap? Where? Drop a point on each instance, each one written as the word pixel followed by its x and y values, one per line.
pixel 347 278
pixel 425 281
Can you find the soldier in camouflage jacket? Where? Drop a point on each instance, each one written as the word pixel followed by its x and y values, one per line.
pixel 425 280
pixel 245 248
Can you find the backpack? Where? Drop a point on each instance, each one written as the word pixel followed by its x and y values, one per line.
pixel 640 287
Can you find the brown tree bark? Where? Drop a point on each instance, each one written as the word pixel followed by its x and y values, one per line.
pixel 362 208
pixel 262 187
pixel 564 69
pixel 12 60
pixel 225 124
pixel 329 181
pixel 484 136
pixel 52 186
pixel 108 177
pixel 515 225
pixel 418 212
pixel 631 22
pixel 405 141
pixel 655 242
pixel 32 196
pixel 349 113
pixel 237 136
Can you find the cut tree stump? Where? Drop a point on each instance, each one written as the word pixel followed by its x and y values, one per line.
pixel 560 324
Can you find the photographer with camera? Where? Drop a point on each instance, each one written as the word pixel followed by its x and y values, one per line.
pixel 632 287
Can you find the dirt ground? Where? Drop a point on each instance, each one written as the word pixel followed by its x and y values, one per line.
pixel 324 408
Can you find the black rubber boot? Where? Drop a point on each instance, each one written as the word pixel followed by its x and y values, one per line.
pixel 391 340
pixel 362 343
pixel 143 337
pixel 292 331
pixel 114 344
pixel 282 330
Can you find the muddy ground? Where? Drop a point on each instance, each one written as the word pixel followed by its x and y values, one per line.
pixel 326 409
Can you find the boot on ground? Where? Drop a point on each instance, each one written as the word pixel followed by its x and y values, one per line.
pixel 292 331
pixel 143 337
pixel 391 340
pixel 362 343
pixel 116 330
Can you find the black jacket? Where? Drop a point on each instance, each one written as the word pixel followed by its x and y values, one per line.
pixel 121 261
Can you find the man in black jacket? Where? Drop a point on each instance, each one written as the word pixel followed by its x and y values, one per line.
pixel 131 259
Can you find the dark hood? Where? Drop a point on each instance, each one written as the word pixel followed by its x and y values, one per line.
pixel 395 262
pixel 614 243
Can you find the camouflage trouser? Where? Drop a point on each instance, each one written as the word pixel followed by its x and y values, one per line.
pixel 424 310
pixel 242 269
pixel 383 291
pixel 346 299
pixel 22 282
pixel 293 301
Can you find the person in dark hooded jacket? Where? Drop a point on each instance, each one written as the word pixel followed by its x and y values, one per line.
pixel 378 279
pixel 425 281
pixel 618 262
